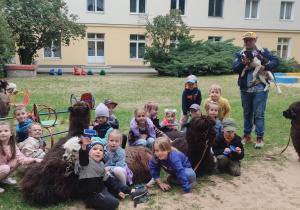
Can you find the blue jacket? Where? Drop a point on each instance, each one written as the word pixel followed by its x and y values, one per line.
pixel 114 158
pixel 238 66
pixel 22 130
pixel 190 97
pixel 174 165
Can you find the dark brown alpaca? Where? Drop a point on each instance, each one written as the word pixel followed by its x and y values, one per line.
pixel 46 184
pixel 200 132
pixel 293 113
pixel 4 106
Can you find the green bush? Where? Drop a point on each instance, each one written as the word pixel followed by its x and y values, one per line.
pixel 287 66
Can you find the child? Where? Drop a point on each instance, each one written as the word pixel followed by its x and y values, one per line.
pixel 114 157
pixel 191 95
pixel 173 162
pixel 152 110
pixel 215 93
pixel 230 160
pixel 101 125
pixel 111 105
pixel 94 180
pixel 142 131
pixel 169 123
pixel 10 155
pixel 195 110
pixel 33 146
pixel 20 115
pixel 212 109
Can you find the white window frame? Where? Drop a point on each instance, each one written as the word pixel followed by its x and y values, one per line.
pixel 281 43
pixel 52 52
pixel 183 13
pixel 214 15
pixel 95 3
pixel 137 41
pixel 174 42
pixel 284 10
pixel 137 7
pixel 213 38
pixel 251 8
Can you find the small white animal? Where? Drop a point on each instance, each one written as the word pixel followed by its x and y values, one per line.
pixel 256 62
pixel 72 147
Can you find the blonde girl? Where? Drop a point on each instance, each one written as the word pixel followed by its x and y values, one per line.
pixel 10 155
pixel 152 110
pixel 173 162
pixel 213 109
pixel 170 120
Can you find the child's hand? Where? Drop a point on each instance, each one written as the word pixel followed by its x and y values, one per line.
pixel 184 118
pixel 122 195
pixel 85 141
pixel 238 150
pixel 143 136
pixel 227 150
pixel 37 160
pixel 107 168
pixel 42 147
pixel 186 195
pixel 164 187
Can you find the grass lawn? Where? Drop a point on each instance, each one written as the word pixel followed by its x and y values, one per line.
pixel 131 92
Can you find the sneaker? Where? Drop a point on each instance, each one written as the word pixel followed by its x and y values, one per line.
pixel 1 190
pixel 247 138
pixel 151 183
pixel 139 193
pixel 259 142
pixel 8 181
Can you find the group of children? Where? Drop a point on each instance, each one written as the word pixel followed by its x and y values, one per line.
pixel 102 166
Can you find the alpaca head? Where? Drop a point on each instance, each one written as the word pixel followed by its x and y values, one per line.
pixel 72 147
pixel 293 112
pixel 80 117
pixel 4 105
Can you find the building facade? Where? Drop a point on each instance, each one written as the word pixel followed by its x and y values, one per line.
pixel 115 28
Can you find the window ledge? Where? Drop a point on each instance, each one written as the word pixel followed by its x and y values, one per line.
pixel 216 17
pixel 286 20
pixel 136 13
pixel 53 59
pixel 136 59
pixel 97 12
pixel 251 18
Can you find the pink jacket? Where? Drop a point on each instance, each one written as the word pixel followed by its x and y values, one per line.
pixel 19 156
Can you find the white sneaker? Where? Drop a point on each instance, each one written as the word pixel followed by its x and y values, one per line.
pixel 1 190
pixel 8 181
pixel 151 183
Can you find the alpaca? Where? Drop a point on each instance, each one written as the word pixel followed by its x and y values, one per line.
pixel 4 105
pixel 293 113
pixel 200 132
pixel 7 87
pixel 51 181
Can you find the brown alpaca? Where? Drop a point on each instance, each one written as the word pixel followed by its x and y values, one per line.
pixel 200 132
pixel 4 106
pixel 293 113
pixel 46 183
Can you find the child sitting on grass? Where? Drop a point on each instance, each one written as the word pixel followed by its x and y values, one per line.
pixel 20 115
pixel 170 122
pixel 195 110
pixel 95 187
pixel 228 159
pixel 33 146
pixel 152 110
pixel 215 93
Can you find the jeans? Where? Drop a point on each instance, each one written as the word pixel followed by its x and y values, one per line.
pixel 254 103
pixel 190 173
pixel 102 200
pixel 146 143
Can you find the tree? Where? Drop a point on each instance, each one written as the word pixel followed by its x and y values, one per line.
pixel 41 23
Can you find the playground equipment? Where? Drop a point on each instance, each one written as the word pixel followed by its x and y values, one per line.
pixel 76 71
pixel 89 72
pixel 52 72
pixel 13 96
pixel 82 72
pixel 102 72
pixel 86 97
pixel 59 72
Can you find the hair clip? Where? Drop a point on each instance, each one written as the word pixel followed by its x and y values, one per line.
pixel 169 110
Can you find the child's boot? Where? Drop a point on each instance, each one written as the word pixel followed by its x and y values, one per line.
pixel 151 183
pixel 139 193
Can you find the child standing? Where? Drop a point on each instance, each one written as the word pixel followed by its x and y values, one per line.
pixel 33 146
pixel 212 109
pixel 191 95
pixel 10 155
pixel 228 159
pixel 142 131
pixel 20 115
pixel 114 157
pixel 169 123
pixel 101 124
pixel 152 110
pixel 94 180
pixel 111 105
pixel 215 93
pixel 173 162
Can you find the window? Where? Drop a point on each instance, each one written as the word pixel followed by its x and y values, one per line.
pixel 95 5
pixel 252 9
pixel 215 38
pixel 53 51
pixel 178 4
pixel 173 41
pixel 215 8
pixel 284 47
pixel 137 45
pixel 286 10
pixel 137 6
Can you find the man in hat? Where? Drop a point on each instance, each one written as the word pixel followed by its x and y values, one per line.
pixel 253 96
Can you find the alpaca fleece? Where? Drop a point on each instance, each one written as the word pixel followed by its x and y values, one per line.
pixel 200 131
pixel 46 184
pixel 4 106
pixel 293 113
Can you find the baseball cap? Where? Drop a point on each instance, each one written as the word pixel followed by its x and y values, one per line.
pixel 195 106
pixel 229 124
pixel 250 35
pixel 191 78
pixel 109 101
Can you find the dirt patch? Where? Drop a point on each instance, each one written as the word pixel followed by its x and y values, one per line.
pixel 297 85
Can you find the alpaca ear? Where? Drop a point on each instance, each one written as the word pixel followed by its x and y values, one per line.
pixel 70 109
